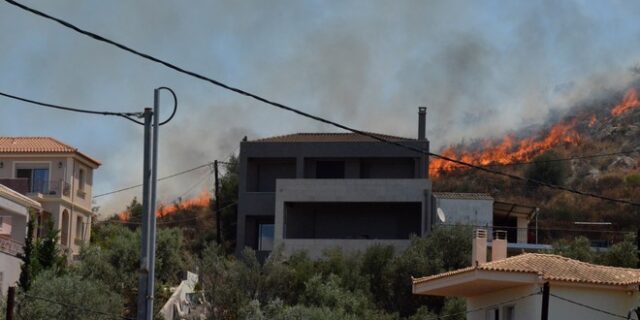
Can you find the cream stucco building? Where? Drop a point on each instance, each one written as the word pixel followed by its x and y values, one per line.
pixel 512 288
pixel 57 176
pixel 14 215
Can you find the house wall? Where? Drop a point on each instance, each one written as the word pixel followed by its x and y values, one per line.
pixel 9 271
pixel 619 302
pixel 615 301
pixel 525 309
pixel 464 211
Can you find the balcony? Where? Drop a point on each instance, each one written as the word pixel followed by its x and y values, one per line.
pixel 10 246
pixel 47 188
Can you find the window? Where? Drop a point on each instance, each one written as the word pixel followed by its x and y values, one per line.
pixel 330 170
pixel 493 314
pixel 81 179
pixel 509 312
pixel 79 228
pixel 36 179
pixel 5 225
pixel 265 237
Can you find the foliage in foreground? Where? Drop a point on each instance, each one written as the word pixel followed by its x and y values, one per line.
pixel 52 296
pixel 375 284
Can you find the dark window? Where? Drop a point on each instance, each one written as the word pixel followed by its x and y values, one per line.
pixel 330 170
pixel 37 179
pixel 265 237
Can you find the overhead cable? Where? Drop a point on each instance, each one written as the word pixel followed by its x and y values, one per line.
pixel 310 116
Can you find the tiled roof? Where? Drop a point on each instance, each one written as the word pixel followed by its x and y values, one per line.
pixel 460 195
pixel 553 268
pixel 329 137
pixel 38 145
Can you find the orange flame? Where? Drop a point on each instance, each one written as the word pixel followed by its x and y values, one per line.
pixel 508 150
pixel 630 101
pixel 593 121
pixel 201 200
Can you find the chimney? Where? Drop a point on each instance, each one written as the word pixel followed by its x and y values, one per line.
pixel 422 123
pixel 499 246
pixel 479 247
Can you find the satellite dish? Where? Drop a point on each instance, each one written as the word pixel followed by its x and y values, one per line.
pixel 441 216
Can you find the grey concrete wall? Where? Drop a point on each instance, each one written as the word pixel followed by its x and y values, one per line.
pixel 345 190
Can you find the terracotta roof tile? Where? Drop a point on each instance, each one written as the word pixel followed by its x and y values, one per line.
pixel 329 137
pixel 460 195
pixel 554 268
pixel 38 145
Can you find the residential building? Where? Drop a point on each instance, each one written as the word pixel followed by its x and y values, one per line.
pixel 312 191
pixel 512 288
pixel 57 176
pixel 14 215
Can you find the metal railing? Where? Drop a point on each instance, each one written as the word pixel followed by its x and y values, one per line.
pixel 10 246
pixel 45 187
pixel 601 238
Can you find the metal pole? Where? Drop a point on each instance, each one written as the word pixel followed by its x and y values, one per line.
pixel 152 206
pixel 217 203
pixel 11 298
pixel 144 248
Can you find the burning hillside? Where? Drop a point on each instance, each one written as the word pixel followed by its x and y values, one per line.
pixel 202 200
pixel 513 148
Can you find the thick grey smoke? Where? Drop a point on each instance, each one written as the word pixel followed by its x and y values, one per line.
pixel 481 68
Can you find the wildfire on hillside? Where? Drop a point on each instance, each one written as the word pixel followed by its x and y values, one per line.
pixel 630 101
pixel 511 149
pixel 201 200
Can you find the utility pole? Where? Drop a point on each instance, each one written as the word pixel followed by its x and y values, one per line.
pixel 217 203
pixel 144 248
pixel 11 299
pixel 146 283
pixel 545 301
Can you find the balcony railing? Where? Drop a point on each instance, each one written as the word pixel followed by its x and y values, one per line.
pixel 55 188
pixel 10 246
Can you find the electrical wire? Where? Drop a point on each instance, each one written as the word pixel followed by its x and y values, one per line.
pixel 588 306
pixel 489 306
pixel 313 117
pixel 208 164
pixel 114 316
pixel 125 115
pixel 128 222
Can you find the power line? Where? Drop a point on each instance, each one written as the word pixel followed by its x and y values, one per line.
pixel 310 116
pixel 208 164
pixel 126 115
pixel 114 316
pixel 588 306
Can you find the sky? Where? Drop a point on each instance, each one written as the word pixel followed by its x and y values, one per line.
pixel 482 68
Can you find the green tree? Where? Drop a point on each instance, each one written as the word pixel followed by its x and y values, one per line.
pixel 546 170
pixel 579 249
pixel 622 254
pixel 68 297
pixel 27 255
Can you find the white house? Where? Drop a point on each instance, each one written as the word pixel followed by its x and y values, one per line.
pixel 512 288
pixel 14 214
